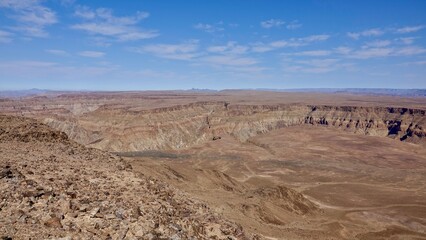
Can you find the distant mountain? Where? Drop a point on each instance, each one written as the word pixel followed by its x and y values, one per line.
pixel 362 91
pixel 201 90
pixel 22 93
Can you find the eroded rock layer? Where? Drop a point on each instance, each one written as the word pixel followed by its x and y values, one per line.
pixel 118 129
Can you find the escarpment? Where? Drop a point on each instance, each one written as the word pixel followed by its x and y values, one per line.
pixel 186 125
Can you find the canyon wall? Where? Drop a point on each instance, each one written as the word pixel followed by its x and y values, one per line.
pixel 183 126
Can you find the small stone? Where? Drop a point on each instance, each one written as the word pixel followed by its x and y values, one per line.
pixel 110 216
pixel 83 208
pixel 149 236
pixel 65 238
pixel 94 211
pixel 53 222
pixel 175 227
pixel 120 213
pixel 175 237
pixel 138 231
pixel 123 233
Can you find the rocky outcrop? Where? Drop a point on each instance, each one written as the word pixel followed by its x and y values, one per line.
pixel 27 130
pixel 288 199
pixel 74 130
pixel 124 130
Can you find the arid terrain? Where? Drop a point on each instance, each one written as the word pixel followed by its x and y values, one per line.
pixel 224 165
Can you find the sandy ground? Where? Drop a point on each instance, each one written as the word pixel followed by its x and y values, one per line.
pixel 366 187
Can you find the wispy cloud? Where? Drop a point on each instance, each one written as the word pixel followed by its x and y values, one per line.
pixel 272 23
pixel 231 57
pixel 26 64
pixel 91 54
pixel 182 51
pixel 409 51
pixel 409 29
pixel 209 28
pixel 293 25
pixel 57 52
pixel 102 22
pixel 230 48
pixel 228 60
pixel 312 65
pixel 371 53
pixel 343 50
pixel 381 52
pixel 416 63
pixel 407 40
pixel 50 70
pixel 31 16
pixel 377 44
pixel 374 32
pixel 293 42
pixel 84 12
pixel 313 53
pixel 5 37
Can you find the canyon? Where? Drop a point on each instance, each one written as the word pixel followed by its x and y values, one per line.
pixel 272 165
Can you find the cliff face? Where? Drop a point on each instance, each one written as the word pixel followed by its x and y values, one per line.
pixel 186 125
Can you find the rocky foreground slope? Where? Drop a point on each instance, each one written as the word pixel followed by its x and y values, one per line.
pixel 54 188
pixel 180 126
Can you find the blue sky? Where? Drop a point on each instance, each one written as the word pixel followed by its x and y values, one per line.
pixel 221 44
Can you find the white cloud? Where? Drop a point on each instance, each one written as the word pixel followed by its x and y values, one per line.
pixel 374 32
pixel 315 38
pixel 272 23
pixel 409 51
pixel 313 53
pixel 49 70
pixel 102 22
pixel 417 63
pixel 32 18
pixel 247 69
pixel 294 25
pixel 91 54
pixel 208 27
pixel 407 40
pixel 377 43
pixel 319 62
pixel 409 29
pixel 226 60
pixel 183 51
pixel 57 52
pixel 343 50
pixel 229 48
pixel 84 12
pixel 5 37
pixel 26 64
pixel 380 52
pixel 134 36
pixel 293 42
pixel 312 65
pixel 261 48
pixel 371 53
